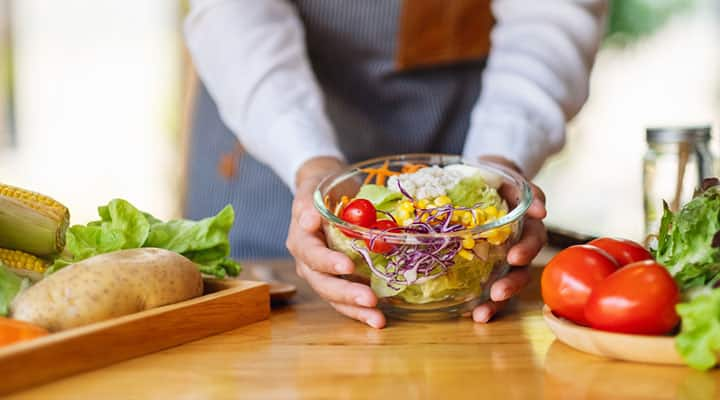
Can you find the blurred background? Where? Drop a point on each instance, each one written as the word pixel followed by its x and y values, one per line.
pixel 94 97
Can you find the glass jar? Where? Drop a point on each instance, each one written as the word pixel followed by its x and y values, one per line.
pixel 676 162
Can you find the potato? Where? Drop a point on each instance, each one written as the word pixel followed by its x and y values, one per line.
pixel 108 286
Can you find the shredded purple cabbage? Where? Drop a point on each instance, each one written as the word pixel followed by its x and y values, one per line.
pixel 417 263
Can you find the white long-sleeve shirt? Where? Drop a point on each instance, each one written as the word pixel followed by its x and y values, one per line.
pixel 251 56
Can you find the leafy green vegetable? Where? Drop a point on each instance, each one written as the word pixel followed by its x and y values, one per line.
pixel 382 198
pixel 10 286
pixel 699 340
pixel 466 276
pixel 473 190
pixel 122 226
pixel 205 242
pixel 122 217
pixel 685 241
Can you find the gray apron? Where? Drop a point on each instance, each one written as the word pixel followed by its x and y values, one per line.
pixel 375 109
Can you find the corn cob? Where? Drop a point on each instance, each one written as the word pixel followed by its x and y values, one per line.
pixel 31 222
pixel 23 263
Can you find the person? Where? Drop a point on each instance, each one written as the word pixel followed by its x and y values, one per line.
pixel 309 85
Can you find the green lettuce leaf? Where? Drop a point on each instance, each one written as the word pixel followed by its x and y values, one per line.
pixel 465 277
pixel 382 198
pixel 205 242
pixel 10 286
pixel 472 191
pixel 699 340
pixel 122 226
pixel 122 218
pixel 685 241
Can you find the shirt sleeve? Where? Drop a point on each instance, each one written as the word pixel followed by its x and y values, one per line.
pixel 251 56
pixel 536 78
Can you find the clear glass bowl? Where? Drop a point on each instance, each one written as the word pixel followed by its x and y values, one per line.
pixel 442 293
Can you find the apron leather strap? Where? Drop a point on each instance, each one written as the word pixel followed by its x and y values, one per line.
pixel 440 32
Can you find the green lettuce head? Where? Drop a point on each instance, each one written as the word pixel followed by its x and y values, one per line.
pixel 122 226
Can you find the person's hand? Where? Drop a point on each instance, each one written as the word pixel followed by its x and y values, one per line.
pixel 521 254
pixel 317 264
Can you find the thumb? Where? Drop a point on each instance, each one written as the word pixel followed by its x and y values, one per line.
pixel 304 212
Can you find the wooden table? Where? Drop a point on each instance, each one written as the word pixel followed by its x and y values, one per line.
pixel 308 351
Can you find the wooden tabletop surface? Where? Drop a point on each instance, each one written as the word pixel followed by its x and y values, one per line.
pixel 308 351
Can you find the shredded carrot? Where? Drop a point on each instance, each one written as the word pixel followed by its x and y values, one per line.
pixel 412 168
pixel 339 207
pixel 343 202
pixel 380 174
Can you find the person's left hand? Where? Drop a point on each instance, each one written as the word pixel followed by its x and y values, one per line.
pixel 520 255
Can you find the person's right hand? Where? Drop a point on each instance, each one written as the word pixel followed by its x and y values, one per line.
pixel 317 264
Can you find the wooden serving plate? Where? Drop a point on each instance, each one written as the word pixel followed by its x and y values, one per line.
pixel 637 348
pixel 226 304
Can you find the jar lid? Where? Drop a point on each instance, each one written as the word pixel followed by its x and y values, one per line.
pixel 680 134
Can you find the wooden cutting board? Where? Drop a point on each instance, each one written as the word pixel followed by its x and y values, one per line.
pixel 226 305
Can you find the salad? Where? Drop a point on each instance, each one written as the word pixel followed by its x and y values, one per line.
pixel 421 248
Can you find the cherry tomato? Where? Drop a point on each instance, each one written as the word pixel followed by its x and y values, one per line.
pixel 381 244
pixel 623 251
pixel 639 298
pixel 359 212
pixel 569 278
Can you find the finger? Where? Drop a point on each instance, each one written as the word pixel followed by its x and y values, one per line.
pixel 305 215
pixel 313 252
pixel 484 312
pixel 538 193
pixel 533 239
pixel 510 284
pixel 303 208
pixel 338 290
pixel 537 207
pixel 370 316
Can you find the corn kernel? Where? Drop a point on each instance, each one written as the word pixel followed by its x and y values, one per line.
pixel 423 203
pixel 487 234
pixel 407 206
pixel 466 254
pixel 495 239
pixel 403 214
pixel 468 242
pixel 491 212
pixel 23 261
pixel 424 218
pixel 442 201
pixel 455 217
pixel 497 236
pixel 467 219
pixel 479 216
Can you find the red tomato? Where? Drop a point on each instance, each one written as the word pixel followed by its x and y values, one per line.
pixel 359 212
pixel 639 298
pixel 622 250
pixel 570 276
pixel 381 245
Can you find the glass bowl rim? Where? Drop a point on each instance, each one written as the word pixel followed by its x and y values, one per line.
pixel 517 212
